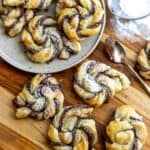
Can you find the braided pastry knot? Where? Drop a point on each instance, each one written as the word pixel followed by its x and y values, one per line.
pixel 29 4
pixel 14 19
pixel 42 39
pixel 79 18
pixel 127 131
pixel 71 130
pixel 143 62
pixel 41 99
pixel 96 82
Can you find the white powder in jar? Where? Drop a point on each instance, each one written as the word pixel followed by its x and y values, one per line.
pixel 132 30
pixel 130 8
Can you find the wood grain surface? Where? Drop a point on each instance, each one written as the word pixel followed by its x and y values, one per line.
pixel 30 134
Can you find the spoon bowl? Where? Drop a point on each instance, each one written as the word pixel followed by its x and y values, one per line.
pixel 115 51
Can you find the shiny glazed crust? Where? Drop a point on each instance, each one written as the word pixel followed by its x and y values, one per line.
pixel 72 130
pixel 42 98
pixel 14 19
pixel 143 62
pixel 96 82
pixel 29 4
pixel 42 40
pixel 127 131
pixel 79 18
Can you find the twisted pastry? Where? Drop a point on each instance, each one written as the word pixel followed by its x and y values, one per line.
pixel 79 18
pixel 72 130
pixel 69 48
pixel 14 19
pixel 127 131
pixel 29 4
pixel 42 39
pixel 96 82
pixel 143 62
pixel 41 99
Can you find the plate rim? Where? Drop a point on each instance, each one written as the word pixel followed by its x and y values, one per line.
pixel 18 66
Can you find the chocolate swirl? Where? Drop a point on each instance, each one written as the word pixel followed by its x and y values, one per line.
pixel 14 19
pixel 71 129
pixel 127 130
pixel 79 18
pixel 41 99
pixel 69 48
pixel 29 4
pixel 143 62
pixel 96 82
pixel 42 39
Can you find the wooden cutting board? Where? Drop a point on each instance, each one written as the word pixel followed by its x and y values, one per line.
pixel 29 134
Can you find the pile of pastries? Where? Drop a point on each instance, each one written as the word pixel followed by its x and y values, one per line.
pixel 46 38
pixel 72 127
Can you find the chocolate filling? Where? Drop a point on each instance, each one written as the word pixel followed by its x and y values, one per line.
pixel 136 119
pixel 61 121
pixel 90 137
pixel 135 143
pixel 108 92
pixel 142 68
pixel 57 105
pixel 91 66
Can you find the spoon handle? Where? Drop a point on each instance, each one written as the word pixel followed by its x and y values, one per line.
pixel 147 88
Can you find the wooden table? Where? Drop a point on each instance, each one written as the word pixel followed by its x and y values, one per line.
pixel 29 134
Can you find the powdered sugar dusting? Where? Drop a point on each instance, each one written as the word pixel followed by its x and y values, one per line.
pixel 132 30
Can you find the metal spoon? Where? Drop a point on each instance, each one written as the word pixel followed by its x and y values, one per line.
pixel 114 7
pixel 117 54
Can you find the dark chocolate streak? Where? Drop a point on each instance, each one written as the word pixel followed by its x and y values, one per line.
pixel 22 13
pixel 61 121
pixel 91 66
pixel 89 135
pixel 136 119
pixel 46 83
pixel 108 92
pixel 40 23
pixel 135 143
pixel 57 105
pixel 142 68
pixel 76 82
pixel 42 19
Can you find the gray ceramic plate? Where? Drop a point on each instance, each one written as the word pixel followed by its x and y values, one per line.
pixel 11 51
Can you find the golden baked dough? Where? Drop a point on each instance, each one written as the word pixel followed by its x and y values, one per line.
pixel 127 131
pixel 29 4
pixel 69 48
pixel 79 18
pixel 143 62
pixel 14 19
pixel 96 82
pixel 42 39
pixel 42 98
pixel 72 130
